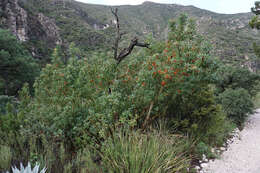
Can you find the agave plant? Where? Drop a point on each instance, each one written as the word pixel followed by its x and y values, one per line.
pixel 28 169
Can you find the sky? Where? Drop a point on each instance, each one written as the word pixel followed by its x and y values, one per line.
pixel 219 6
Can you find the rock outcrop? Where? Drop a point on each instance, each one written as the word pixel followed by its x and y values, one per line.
pixel 28 26
pixel 14 18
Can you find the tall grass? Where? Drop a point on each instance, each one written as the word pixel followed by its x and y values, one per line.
pixel 155 152
pixel 5 157
pixel 126 152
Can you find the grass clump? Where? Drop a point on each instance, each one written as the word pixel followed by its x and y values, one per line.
pixel 143 153
pixel 5 157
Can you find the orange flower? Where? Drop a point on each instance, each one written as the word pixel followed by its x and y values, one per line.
pixel 163 83
pixel 165 70
pixel 179 91
pixel 154 64
pixel 160 72
pixel 165 50
pixel 175 73
pixel 143 84
pixel 61 75
pixel 167 76
pixel 154 73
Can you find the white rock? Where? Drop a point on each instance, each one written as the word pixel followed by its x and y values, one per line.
pixel 197 167
pixel 222 148
pixel 213 150
pixel 204 157
pixel 203 165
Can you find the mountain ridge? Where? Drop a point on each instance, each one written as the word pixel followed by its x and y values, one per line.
pixel 91 26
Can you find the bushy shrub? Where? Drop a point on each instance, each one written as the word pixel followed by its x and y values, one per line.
pixel 72 103
pixel 4 100
pixel 83 101
pixel 204 149
pixel 231 77
pixel 201 117
pixel 237 104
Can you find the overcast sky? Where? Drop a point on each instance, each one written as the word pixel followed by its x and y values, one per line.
pixel 219 6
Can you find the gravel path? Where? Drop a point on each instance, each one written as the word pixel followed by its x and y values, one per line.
pixel 243 155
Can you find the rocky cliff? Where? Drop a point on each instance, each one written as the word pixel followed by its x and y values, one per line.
pixel 32 28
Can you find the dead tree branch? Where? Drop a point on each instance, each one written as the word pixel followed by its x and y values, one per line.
pixel 126 51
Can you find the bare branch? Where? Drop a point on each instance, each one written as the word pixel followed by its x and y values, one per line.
pixel 126 51
pixel 118 37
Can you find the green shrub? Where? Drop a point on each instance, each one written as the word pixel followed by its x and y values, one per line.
pixel 229 77
pixel 17 65
pixel 4 100
pixel 204 149
pixel 83 101
pixel 237 103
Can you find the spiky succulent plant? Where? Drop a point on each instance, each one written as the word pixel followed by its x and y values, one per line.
pixel 28 169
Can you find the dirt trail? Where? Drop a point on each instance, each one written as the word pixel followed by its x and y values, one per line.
pixel 242 156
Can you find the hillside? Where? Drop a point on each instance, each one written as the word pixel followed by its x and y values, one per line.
pixel 91 26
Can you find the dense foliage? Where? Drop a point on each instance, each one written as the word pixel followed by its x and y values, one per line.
pixel 16 65
pixel 232 77
pixel 237 103
pixel 236 88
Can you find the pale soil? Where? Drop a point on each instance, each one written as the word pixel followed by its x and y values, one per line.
pixel 243 155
